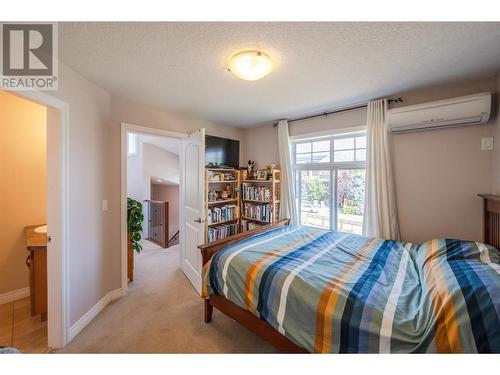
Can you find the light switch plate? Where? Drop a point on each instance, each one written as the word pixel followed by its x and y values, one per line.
pixel 104 205
pixel 487 144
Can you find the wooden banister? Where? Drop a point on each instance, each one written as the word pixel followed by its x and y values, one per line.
pixel 173 238
pixel 158 222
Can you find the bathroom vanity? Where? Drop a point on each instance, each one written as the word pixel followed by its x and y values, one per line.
pixel 36 245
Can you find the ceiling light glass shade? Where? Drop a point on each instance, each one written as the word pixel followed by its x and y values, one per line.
pixel 250 65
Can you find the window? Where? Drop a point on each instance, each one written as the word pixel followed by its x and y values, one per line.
pixel 349 149
pixel 313 152
pixel 330 181
pixel 131 144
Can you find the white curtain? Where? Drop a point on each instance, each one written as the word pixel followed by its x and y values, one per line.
pixel 380 216
pixel 288 205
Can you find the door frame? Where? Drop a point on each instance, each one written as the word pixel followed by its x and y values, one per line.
pixel 126 128
pixel 58 299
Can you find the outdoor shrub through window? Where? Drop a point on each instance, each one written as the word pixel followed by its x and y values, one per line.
pixel 315 200
pixel 350 200
pixel 330 181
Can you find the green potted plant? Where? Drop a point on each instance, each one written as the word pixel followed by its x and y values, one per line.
pixel 134 225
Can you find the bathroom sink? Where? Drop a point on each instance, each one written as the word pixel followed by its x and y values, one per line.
pixel 41 229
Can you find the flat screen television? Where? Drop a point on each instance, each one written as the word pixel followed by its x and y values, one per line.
pixel 221 152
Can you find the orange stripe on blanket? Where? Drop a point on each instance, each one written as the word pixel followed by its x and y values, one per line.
pixel 330 296
pixel 252 274
pixel 254 269
pixel 447 337
pixel 204 287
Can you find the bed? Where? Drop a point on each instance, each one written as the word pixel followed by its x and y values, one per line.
pixel 310 290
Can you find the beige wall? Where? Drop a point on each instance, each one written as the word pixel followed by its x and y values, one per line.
pixel 261 145
pixel 130 112
pixel 159 163
pixel 170 194
pixel 23 187
pixel 149 162
pixel 438 173
pixel 91 233
pixel 342 120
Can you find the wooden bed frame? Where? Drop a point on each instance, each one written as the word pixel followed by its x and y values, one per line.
pixel 491 219
pixel 491 236
pixel 245 318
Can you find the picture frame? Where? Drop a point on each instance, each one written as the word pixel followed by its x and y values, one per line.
pixel 262 174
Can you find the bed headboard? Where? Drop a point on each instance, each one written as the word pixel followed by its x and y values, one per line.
pixel 491 219
pixel 209 249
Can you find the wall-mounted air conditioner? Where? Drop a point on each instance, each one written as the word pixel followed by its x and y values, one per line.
pixel 465 110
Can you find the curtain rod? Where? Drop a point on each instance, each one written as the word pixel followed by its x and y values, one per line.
pixel 353 108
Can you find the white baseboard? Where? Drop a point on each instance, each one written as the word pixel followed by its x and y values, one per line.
pixel 14 295
pixel 76 328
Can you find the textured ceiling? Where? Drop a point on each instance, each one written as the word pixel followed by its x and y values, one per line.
pixel 182 66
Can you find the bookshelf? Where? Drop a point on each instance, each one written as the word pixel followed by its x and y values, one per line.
pixel 222 203
pixel 260 201
pixel 233 205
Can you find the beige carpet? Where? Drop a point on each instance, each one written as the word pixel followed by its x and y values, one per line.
pixel 162 313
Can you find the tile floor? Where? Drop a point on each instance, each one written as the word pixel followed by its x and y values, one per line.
pixel 21 330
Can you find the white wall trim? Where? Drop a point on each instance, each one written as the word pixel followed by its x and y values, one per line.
pixel 76 328
pixel 14 295
pixel 125 128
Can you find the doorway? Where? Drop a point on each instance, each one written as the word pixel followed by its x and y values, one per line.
pixel 191 199
pixel 33 159
pixel 153 175
pixel 149 157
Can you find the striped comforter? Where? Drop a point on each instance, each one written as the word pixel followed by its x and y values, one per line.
pixel 332 292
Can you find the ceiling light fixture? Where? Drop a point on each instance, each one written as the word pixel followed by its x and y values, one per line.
pixel 250 65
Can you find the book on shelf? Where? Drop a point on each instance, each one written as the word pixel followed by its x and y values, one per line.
pixel 221 231
pixel 247 225
pixel 222 213
pixel 256 193
pixel 261 212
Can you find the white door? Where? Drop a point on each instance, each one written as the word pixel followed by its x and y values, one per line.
pixel 55 262
pixel 192 205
